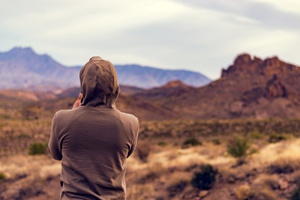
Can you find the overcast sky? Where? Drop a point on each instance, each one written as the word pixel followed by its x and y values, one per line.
pixel 197 35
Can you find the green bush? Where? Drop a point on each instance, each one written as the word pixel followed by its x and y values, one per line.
pixel 191 142
pixel 238 147
pixel 37 149
pixel 205 178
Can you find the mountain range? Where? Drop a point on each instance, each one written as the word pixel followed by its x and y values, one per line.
pixel 22 68
pixel 250 87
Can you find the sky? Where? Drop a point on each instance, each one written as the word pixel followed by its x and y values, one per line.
pixel 198 35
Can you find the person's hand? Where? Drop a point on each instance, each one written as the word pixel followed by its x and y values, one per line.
pixel 77 103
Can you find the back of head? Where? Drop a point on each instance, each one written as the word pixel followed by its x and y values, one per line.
pixel 99 83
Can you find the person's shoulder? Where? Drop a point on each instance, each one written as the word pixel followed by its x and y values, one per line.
pixel 63 113
pixel 129 116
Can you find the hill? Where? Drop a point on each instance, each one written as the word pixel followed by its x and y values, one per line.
pixel 249 88
pixel 22 68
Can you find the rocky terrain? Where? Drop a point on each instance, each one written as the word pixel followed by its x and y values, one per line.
pixel 249 88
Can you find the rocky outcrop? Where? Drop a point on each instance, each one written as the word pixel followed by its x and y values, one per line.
pixel 244 65
pixel 249 88
pixel 275 89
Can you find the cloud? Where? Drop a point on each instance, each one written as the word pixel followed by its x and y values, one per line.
pixel 198 35
pixel 260 11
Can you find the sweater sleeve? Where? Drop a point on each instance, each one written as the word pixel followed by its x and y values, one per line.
pixel 135 134
pixel 54 143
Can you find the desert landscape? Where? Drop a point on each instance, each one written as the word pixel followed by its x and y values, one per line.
pixel 235 138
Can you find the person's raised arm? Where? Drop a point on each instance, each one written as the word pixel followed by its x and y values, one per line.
pixel 77 103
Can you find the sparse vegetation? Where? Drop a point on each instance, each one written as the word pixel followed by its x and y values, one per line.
pixel 2 176
pixel 277 137
pixel 31 112
pixel 191 142
pixel 37 148
pixel 283 168
pixel 166 170
pixel 216 141
pixel 143 151
pixel 205 178
pixel 296 193
pixel 257 135
pixel 243 192
pixel 162 143
pixel 176 188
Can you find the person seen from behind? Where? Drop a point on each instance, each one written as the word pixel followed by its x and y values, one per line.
pixel 94 139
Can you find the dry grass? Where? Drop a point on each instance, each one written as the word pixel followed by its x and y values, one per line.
pixel 243 192
pixel 28 175
pixel 282 153
pixel 167 168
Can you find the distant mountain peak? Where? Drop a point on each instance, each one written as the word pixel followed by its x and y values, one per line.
pixel 245 64
pixel 27 51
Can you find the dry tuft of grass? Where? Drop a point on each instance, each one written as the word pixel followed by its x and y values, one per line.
pixel 243 192
pixel 262 187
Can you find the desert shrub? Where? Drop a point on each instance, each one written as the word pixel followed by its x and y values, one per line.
pixel 143 151
pixel 238 147
pixel 152 173
pixel 257 135
pixel 162 143
pixel 37 149
pixel 276 137
pixel 263 188
pixel 2 176
pixel 205 178
pixel 176 187
pixel 243 192
pixel 216 141
pixel 280 168
pixel 191 142
pixel 264 194
pixel 296 193
pixel 31 112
